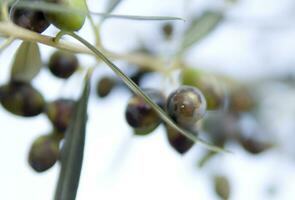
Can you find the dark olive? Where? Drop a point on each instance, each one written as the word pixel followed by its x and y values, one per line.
pixel 222 187
pixel 21 99
pixel 186 106
pixel 178 141
pixel 140 115
pixel 63 64
pixel 167 30
pixel 254 145
pixel 44 152
pixel 68 20
pixel 104 86
pixel 60 113
pixel 30 19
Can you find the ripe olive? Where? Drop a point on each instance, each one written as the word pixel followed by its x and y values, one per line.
pixel 186 106
pixel 104 86
pixel 63 64
pixel 141 116
pixel 30 19
pixel 178 142
pixel 21 99
pixel 254 145
pixel 167 30
pixel 60 113
pixel 44 152
pixel 68 20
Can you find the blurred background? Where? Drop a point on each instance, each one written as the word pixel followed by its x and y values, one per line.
pixel 253 44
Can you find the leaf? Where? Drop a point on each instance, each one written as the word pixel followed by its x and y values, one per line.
pixel 140 93
pixel 200 28
pixel 112 4
pixel 72 152
pixel 51 7
pixel 27 62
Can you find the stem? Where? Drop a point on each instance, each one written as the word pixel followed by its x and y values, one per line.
pixel 139 92
pixel 6 43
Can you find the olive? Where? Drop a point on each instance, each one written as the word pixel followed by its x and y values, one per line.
pixel 186 106
pixel 178 141
pixel 208 84
pixel 30 19
pixel 63 64
pixel 44 152
pixel 254 145
pixel 68 20
pixel 167 30
pixel 21 99
pixel 140 115
pixel 241 99
pixel 222 187
pixel 104 86
pixel 60 113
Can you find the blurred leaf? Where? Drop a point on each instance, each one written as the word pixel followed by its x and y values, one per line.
pixel 148 100
pixel 27 62
pixel 72 152
pixel 51 7
pixel 112 4
pixel 200 28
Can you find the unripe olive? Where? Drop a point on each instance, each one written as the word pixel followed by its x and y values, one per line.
pixel 44 152
pixel 178 142
pixel 104 86
pixel 30 19
pixel 60 113
pixel 21 99
pixel 186 106
pixel 68 21
pixel 141 115
pixel 222 187
pixel 208 84
pixel 63 64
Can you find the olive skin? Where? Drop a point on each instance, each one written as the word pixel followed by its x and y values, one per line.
pixel 60 113
pixel 222 187
pixel 141 116
pixel 63 64
pixel 177 141
pixel 186 106
pixel 30 19
pixel 21 99
pixel 68 21
pixel 104 86
pixel 44 152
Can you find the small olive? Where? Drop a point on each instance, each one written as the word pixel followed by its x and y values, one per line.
pixel 167 30
pixel 68 20
pixel 186 106
pixel 44 152
pixel 21 99
pixel 254 145
pixel 104 86
pixel 30 19
pixel 60 113
pixel 141 115
pixel 241 99
pixel 178 142
pixel 222 187
pixel 63 64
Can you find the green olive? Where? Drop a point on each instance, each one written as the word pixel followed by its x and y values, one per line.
pixel 68 20
pixel 222 187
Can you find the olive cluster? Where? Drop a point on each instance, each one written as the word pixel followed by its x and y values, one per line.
pixel 38 21
pixel 22 99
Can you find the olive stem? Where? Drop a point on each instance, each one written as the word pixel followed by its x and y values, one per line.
pixel 94 28
pixel 6 43
pixel 147 99
pixel 58 36
pixel 139 59
pixel 4 10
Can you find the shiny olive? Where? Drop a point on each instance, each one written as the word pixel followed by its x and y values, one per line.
pixel 60 113
pixel 104 86
pixel 222 187
pixel 63 64
pixel 178 141
pixel 30 19
pixel 21 99
pixel 140 115
pixel 208 84
pixel 186 106
pixel 69 20
pixel 44 152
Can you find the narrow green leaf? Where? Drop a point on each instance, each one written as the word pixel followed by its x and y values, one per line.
pixel 73 148
pixel 27 62
pixel 139 92
pixel 51 7
pixel 200 28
